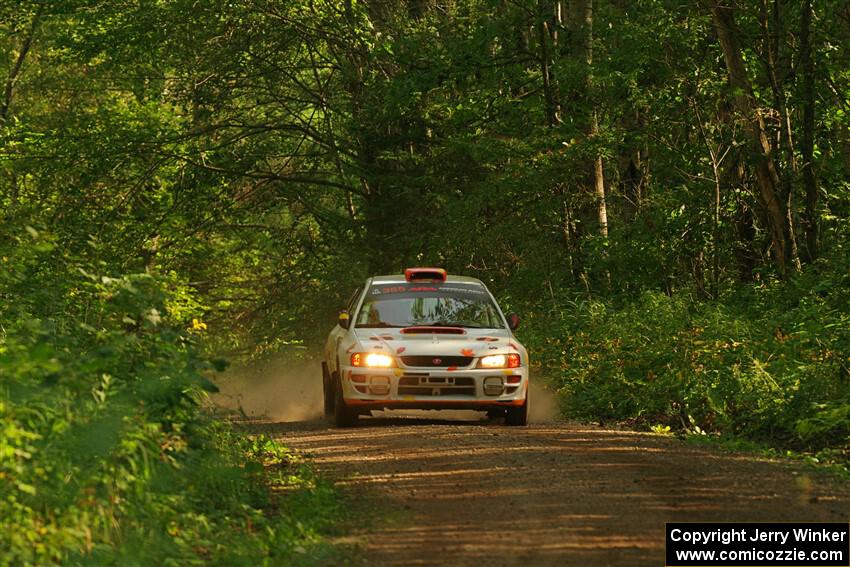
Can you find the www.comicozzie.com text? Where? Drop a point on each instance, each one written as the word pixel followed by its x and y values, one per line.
pixel 735 535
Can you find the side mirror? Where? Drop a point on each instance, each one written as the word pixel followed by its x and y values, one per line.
pixel 344 321
pixel 513 321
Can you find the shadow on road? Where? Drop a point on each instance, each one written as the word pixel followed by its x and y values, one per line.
pixel 475 492
pixel 384 419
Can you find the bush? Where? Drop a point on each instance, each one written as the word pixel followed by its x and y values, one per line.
pixel 106 456
pixel 766 362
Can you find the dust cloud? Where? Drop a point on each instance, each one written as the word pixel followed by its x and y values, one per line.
pixel 279 389
pixel 283 390
pixel 543 403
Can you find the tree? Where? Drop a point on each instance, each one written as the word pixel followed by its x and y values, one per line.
pixel 767 171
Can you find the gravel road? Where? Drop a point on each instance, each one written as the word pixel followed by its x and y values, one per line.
pixel 479 493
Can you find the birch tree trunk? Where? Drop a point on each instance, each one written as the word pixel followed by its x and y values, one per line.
pixel 598 172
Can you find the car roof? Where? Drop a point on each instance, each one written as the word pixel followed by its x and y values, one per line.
pixel 399 278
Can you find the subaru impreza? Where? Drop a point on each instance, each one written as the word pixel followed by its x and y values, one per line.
pixel 424 340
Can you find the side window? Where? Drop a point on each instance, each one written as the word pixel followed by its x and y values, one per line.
pixel 352 302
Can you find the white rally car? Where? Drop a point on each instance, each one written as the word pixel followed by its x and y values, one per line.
pixel 424 340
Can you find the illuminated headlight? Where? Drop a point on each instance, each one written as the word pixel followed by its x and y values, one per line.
pixel 371 360
pixel 499 361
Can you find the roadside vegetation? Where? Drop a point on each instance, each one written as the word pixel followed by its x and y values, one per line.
pixel 659 186
pixel 106 455
pixel 766 363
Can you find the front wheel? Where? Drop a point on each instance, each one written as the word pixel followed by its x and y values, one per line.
pixel 342 414
pixel 517 415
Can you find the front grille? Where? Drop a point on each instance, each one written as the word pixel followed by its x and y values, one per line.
pixel 436 386
pixel 438 361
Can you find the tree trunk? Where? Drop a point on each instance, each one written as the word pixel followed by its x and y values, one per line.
pixel 15 71
pixel 810 221
pixel 772 44
pixel 8 96
pixel 356 65
pixel 598 172
pixel 599 185
pixel 543 39
pixel 767 174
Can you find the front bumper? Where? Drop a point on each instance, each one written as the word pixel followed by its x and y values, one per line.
pixel 434 388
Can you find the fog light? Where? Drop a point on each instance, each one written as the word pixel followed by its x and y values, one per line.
pixel 360 378
pixel 493 385
pixel 514 379
pixel 379 385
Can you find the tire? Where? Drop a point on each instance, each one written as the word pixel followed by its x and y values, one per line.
pixel 518 415
pixel 327 391
pixel 343 416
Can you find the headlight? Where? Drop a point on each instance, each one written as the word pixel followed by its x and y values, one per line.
pixel 371 360
pixel 499 361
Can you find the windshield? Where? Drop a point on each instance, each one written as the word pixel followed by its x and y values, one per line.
pixel 411 304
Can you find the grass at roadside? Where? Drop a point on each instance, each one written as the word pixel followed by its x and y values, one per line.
pixel 304 512
pixel 832 461
pixel 107 455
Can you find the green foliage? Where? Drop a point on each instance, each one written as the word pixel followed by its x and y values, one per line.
pixel 189 177
pixel 768 362
pixel 105 454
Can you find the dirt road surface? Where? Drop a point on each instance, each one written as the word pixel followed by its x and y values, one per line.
pixel 449 492
pixel 479 493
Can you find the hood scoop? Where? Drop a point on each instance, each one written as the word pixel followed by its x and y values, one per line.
pixel 423 330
